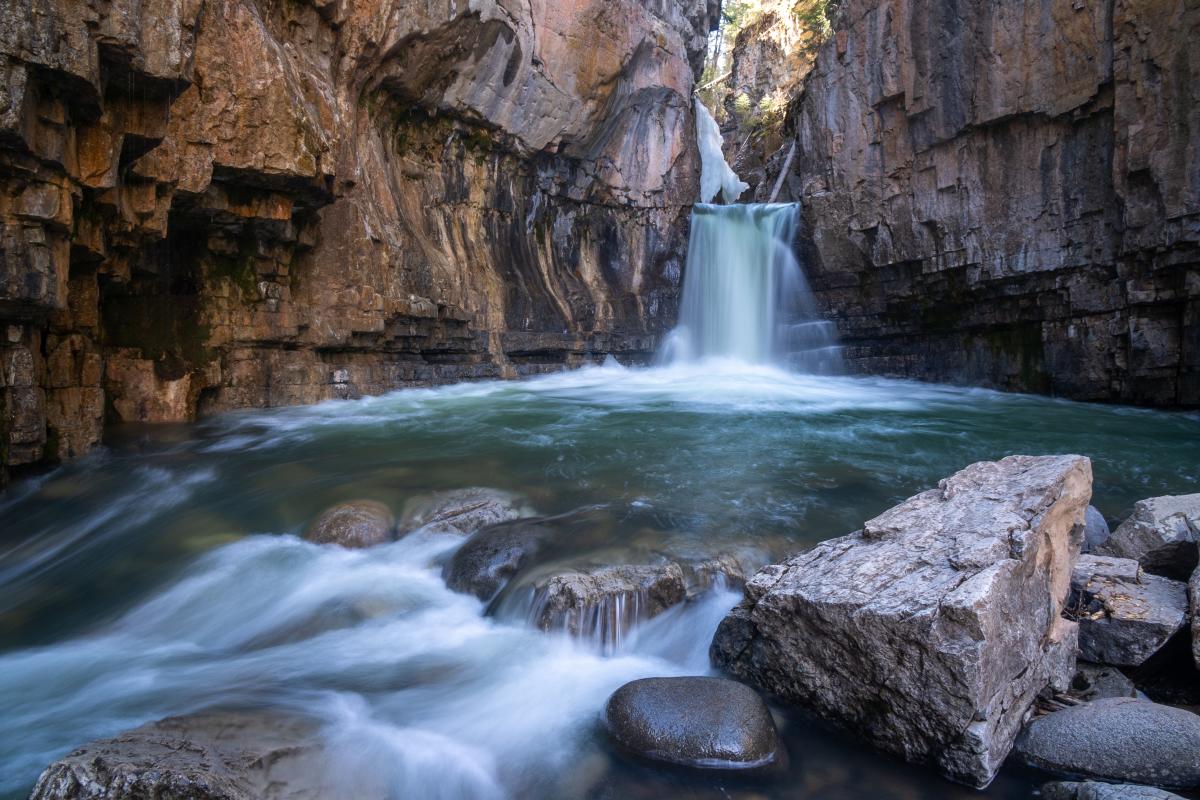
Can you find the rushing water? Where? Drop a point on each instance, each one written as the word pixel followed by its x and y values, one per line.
pixel 745 296
pixel 163 574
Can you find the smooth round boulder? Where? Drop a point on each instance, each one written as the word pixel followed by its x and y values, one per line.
pixel 460 510
pixel 1095 529
pixel 1117 739
pixel 493 555
pixel 705 723
pixel 356 524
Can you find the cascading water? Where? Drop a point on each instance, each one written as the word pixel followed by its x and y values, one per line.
pixel 745 296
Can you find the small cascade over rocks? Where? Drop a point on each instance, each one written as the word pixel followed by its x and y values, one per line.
pixel 745 296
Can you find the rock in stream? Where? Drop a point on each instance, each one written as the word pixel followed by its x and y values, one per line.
pixel 929 632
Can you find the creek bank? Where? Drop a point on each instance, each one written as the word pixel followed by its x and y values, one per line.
pixel 906 634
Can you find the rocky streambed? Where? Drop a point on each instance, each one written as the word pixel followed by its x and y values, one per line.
pixel 544 589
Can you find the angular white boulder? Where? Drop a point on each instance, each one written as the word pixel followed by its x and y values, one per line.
pixel 930 631
pixel 1162 534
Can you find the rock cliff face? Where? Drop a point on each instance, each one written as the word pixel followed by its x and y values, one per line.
pixel 1008 193
pixel 208 204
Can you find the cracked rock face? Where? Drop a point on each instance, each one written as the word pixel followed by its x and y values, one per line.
pixel 1007 194
pixel 1125 615
pixel 206 756
pixel 929 632
pixel 212 204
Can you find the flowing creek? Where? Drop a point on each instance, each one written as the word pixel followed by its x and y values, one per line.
pixel 164 574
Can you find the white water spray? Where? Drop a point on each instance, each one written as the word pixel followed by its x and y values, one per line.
pixel 745 296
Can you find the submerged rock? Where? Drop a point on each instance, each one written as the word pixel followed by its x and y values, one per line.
pixel 1095 529
pixel 708 723
pixel 930 631
pixel 1118 739
pixel 207 756
pixel 1092 790
pixel 358 523
pixel 460 510
pixel 493 555
pixel 1125 615
pixel 1161 534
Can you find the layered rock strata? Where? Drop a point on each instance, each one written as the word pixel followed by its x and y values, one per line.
pixel 1008 194
pixel 211 204
pixel 930 631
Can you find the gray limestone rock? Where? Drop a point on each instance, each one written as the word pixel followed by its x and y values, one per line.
pixel 1194 614
pixel 207 756
pixel 1096 681
pixel 355 524
pixel 602 604
pixel 1161 534
pixel 461 510
pixel 1095 529
pixel 708 723
pixel 1125 615
pixel 1117 739
pixel 1092 790
pixel 929 632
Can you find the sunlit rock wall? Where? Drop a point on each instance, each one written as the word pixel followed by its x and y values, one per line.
pixel 1008 194
pixel 209 204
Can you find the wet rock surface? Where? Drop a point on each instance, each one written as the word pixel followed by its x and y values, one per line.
pixel 701 722
pixel 604 603
pixel 1194 614
pixel 1125 615
pixel 207 756
pixel 1005 194
pixel 232 203
pixel 461 511
pixel 1120 740
pixel 929 632
pixel 1162 534
pixel 354 524
pixel 1093 790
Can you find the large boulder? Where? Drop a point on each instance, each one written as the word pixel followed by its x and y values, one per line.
pixel 930 631
pixel 207 756
pixel 1117 739
pixel 1094 790
pixel 1161 534
pixel 355 524
pixel 460 510
pixel 1125 615
pixel 708 723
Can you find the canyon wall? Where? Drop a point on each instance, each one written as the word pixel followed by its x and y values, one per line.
pixel 1008 194
pixel 211 204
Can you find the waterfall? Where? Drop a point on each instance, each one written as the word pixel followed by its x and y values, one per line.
pixel 745 296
